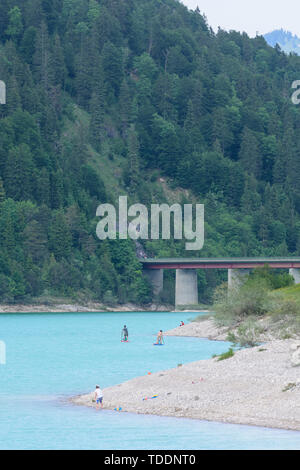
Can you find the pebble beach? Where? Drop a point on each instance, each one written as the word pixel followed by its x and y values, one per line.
pixel 257 386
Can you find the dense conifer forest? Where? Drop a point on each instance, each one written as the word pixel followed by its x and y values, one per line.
pixel 137 97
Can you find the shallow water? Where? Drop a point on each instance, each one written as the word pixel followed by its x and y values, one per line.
pixel 53 356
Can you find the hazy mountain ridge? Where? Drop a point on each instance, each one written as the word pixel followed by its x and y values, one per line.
pixel 285 39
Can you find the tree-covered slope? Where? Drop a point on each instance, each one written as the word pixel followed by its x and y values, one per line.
pixel 137 97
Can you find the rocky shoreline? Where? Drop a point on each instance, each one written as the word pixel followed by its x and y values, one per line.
pixel 257 386
pixel 205 328
pixel 87 307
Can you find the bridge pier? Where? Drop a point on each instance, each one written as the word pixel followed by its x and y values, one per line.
pixel 156 278
pixel 186 292
pixel 295 273
pixel 236 277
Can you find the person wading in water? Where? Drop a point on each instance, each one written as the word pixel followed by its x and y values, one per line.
pixel 125 333
pixel 160 338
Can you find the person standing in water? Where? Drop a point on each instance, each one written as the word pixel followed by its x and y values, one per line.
pixel 160 338
pixel 125 333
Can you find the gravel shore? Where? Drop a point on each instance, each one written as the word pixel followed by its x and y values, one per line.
pixel 87 307
pixel 202 329
pixel 257 386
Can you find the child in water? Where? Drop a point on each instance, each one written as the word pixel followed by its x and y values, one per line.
pixel 98 397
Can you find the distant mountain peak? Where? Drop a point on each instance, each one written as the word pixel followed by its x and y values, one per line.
pixel 287 41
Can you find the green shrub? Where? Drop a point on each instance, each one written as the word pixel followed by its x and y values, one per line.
pixel 226 355
pixel 251 299
pixel 274 279
pixel 248 334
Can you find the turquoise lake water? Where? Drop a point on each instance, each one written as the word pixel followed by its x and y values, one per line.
pixel 51 357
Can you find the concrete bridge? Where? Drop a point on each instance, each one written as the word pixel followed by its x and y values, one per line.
pixel 186 272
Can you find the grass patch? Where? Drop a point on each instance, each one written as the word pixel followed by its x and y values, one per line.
pixel 224 356
pixel 292 292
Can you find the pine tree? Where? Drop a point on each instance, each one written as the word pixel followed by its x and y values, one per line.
pixel 29 94
pixel 111 59
pixel 19 172
pixel 125 107
pixel 83 71
pixel 134 160
pixel 42 59
pixel 28 44
pixel 8 232
pixel 35 242
pixel 97 109
pixel 13 101
pixel 57 190
pixel 249 154
pixel 58 63
pixel 60 238
pixel 2 192
pixel 251 200
pixel 43 190
pixel 15 26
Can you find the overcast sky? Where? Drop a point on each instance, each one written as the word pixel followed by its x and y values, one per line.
pixel 252 16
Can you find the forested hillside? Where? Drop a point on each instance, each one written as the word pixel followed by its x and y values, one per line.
pixel 137 97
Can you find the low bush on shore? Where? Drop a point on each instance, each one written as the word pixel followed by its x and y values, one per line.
pixel 247 334
pixel 251 299
pixel 256 308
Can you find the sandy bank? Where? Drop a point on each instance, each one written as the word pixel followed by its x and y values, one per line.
pixel 245 389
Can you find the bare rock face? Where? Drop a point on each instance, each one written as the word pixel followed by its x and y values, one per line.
pixel 295 359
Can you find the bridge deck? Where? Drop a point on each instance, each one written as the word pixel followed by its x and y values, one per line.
pixel 220 263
